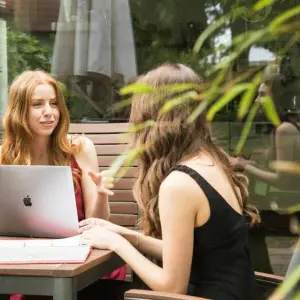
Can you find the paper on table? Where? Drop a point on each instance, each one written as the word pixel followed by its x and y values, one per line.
pixel 68 250
pixel 69 242
pixel 33 255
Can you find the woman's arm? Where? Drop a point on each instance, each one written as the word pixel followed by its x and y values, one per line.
pixel 284 143
pixel 95 204
pixel 176 203
pixel 144 244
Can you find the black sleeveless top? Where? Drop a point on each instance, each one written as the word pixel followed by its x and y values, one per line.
pixel 221 265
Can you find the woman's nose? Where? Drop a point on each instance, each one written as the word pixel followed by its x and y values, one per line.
pixel 47 109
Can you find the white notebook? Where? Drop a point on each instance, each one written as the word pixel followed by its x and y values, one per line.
pixel 45 251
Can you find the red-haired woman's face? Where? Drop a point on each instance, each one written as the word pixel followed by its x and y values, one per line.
pixel 44 113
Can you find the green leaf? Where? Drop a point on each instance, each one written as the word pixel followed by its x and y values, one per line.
pixel 207 98
pixel 179 87
pixel 286 166
pixel 200 109
pixel 297 296
pixel 247 127
pixel 125 160
pixel 259 5
pixel 209 31
pixel 171 103
pixel 284 17
pixel 228 96
pixel 136 88
pixel 141 126
pixel 287 285
pixel 248 96
pixel 117 164
pixel 122 104
pixel 270 110
pixel 253 37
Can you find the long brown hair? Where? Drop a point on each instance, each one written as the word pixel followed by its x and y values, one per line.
pixel 17 134
pixel 170 140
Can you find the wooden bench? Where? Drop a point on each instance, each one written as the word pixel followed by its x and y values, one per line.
pixel 266 285
pixel 110 141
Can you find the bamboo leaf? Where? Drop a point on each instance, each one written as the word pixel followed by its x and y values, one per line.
pixel 209 31
pixel 124 160
pixel 248 96
pixel 284 17
pixel 259 5
pixel 117 164
pixel 180 87
pixel 207 98
pixel 270 110
pixel 297 296
pixel 247 127
pixel 136 88
pixel 197 112
pixel 225 63
pixel 122 104
pixel 171 103
pixel 141 126
pixel 288 284
pixel 286 166
pixel 229 96
pixel 285 211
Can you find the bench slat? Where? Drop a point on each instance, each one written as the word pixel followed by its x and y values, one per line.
pixel 123 208
pixel 123 219
pixel 122 196
pixel 117 138
pixel 111 149
pixel 106 160
pixel 130 172
pixel 98 128
pixel 124 184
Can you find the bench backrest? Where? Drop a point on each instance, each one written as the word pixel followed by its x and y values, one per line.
pixel 110 141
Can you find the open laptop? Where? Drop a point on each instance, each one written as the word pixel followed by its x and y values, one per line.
pixel 37 201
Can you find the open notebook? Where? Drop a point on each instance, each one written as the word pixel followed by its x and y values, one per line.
pixel 68 250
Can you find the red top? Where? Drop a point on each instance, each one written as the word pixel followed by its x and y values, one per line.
pixel 78 192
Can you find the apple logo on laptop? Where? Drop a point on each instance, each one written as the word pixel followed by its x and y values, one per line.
pixel 27 201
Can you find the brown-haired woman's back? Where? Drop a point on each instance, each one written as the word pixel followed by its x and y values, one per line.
pixel 221 266
pixel 193 205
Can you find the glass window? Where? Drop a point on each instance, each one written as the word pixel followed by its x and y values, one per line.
pixel 95 47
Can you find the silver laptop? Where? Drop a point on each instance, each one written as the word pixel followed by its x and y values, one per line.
pixel 37 201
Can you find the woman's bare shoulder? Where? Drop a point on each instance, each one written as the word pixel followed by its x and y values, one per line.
pixel 180 183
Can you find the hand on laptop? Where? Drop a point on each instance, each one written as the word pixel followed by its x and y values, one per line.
pixel 104 183
pixel 90 223
pixel 101 238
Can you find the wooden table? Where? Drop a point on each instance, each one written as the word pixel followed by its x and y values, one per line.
pixel 62 281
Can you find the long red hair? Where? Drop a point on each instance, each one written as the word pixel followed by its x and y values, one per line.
pixel 17 136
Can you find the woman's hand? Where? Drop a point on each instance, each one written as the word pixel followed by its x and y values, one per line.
pixel 100 238
pixel 237 163
pixel 90 223
pixel 103 182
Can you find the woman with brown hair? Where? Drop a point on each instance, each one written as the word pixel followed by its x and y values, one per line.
pixel 194 207
pixel 36 127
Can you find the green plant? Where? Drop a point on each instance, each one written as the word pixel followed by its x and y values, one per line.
pixel 223 86
pixel 24 51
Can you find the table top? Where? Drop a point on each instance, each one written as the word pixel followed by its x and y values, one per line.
pixel 96 257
